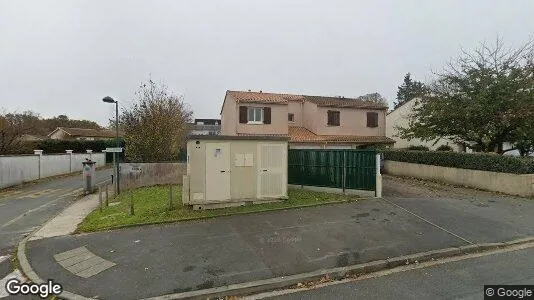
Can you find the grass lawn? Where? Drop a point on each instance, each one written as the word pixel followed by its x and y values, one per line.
pixel 151 205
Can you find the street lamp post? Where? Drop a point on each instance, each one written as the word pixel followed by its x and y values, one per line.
pixel 108 99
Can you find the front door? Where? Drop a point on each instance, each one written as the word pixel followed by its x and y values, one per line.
pixel 217 172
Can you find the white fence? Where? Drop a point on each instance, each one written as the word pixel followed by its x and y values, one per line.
pixel 17 169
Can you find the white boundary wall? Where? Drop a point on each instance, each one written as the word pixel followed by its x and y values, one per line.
pixel 513 184
pixel 17 169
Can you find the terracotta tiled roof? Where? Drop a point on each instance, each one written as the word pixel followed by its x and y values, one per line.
pixel 260 97
pixel 256 134
pixel 303 135
pixel 343 102
pixel 88 132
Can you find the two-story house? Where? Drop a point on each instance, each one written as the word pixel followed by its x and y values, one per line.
pixel 309 121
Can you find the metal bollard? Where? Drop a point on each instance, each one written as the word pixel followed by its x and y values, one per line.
pixel 131 203
pixel 100 197
pixel 170 197
pixel 107 195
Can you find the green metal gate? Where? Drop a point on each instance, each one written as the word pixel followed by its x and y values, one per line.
pixel 344 169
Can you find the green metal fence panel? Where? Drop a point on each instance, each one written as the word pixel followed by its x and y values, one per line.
pixel 352 169
pixel 361 170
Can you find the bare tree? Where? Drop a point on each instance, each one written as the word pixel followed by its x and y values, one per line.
pixel 374 97
pixel 155 125
pixel 12 128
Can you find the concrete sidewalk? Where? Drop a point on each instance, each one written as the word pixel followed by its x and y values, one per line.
pixel 155 260
pixel 67 221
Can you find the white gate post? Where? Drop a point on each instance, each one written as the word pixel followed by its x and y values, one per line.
pixel 39 153
pixel 378 188
pixel 69 152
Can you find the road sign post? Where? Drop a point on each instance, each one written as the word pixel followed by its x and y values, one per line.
pixel 115 151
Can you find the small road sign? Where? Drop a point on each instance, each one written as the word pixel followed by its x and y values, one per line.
pixel 119 149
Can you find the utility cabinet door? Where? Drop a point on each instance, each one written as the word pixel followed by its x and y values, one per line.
pixel 272 170
pixel 217 171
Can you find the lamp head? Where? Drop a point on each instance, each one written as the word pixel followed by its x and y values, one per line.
pixel 108 99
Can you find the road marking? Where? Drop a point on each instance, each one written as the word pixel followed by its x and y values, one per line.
pixel 428 221
pixel 10 193
pixel 3 282
pixel 27 212
pixel 40 193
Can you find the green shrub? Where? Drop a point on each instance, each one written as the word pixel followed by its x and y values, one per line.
pixel 78 146
pixel 444 148
pixel 418 148
pixel 484 162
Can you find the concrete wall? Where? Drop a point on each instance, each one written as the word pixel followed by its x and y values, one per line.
pixel 295 108
pixel 134 175
pixel 229 116
pixel 309 116
pixel 514 184
pixel 18 169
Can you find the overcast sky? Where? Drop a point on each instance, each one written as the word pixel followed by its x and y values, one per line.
pixel 62 57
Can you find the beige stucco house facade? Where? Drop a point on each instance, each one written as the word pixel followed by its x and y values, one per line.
pixel 400 117
pixel 309 121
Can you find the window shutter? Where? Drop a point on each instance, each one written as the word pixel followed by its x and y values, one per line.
pixel 243 114
pixel 329 121
pixel 372 119
pixel 337 118
pixel 266 115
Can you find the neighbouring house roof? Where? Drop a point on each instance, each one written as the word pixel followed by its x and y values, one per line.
pixel 260 97
pixel 324 101
pixel 302 135
pixel 238 137
pixel 207 122
pixel 86 132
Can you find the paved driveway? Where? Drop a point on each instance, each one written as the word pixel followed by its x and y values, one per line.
pixel 476 216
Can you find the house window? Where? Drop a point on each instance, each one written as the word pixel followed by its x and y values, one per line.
pixel 255 115
pixel 372 119
pixel 291 117
pixel 333 118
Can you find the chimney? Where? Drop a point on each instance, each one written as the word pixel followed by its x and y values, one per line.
pixel 260 91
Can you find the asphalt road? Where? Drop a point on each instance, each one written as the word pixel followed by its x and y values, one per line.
pixel 454 280
pixel 24 209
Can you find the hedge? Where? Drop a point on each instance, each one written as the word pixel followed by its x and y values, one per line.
pixel 78 146
pixel 484 162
